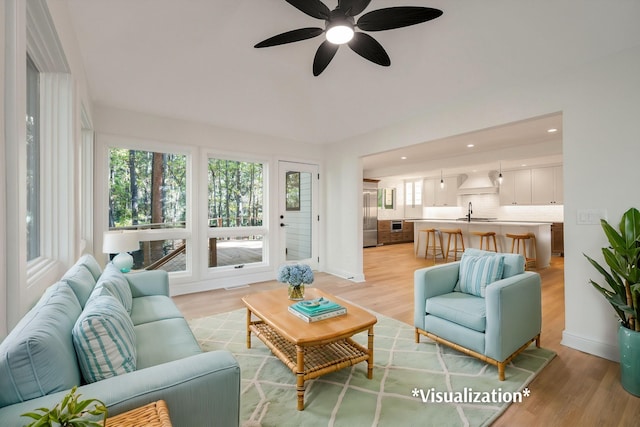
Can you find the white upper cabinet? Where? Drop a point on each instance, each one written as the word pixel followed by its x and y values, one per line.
pixel 546 185
pixel 436 196
pixel 429 192
pixel 516 187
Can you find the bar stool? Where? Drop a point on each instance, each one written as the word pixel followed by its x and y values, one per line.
pixel 524 238
pixel 488 235
pixel 455 233
pixel 431 236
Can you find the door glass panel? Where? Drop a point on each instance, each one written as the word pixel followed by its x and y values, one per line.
pixel 298 215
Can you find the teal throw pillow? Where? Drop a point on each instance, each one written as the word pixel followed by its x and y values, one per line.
pixel 104 339
pixel 476 272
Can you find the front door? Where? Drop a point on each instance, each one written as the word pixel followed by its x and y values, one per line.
pixel 298 216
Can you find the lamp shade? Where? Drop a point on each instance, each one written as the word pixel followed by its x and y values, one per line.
pixel 115 242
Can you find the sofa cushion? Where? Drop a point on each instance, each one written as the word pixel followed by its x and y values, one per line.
pixel 37 358
pixel 164 341
pixel 104 339
pixel 91 264
pixel 81 280
pixel 153 307
pixel 457 307
pixel 476 272
pixel 113 282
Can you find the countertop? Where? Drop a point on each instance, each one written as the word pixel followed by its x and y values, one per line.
pixel 484 222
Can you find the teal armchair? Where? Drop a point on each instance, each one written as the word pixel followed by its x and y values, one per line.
pixel 493 323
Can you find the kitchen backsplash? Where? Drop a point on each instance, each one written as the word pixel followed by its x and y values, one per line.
pixel 484 206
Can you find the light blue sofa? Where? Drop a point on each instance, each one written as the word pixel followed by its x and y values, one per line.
pixel 495 325
pixel 39 365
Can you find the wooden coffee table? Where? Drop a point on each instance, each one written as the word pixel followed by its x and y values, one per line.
pixel 309 349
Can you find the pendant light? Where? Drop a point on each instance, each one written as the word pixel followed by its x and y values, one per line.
pixel 500 175
pixel 441 180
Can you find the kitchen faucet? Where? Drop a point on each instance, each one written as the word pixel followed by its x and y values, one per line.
pixel 470 212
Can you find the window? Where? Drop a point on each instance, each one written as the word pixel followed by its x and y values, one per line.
pixel 33 161
pixel 147 191
pixel 235 212
pixel 293 191
pixel 413 193
pixel 235 193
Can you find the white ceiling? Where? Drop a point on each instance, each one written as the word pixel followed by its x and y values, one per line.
pixel 194 60
pixel 512 146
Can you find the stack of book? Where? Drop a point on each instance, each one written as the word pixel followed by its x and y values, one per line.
pixel 316 309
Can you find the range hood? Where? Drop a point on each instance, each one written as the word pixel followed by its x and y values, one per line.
pixel 478 184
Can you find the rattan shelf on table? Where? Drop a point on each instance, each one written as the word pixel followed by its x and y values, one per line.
pixel 319 359
pixel 155 414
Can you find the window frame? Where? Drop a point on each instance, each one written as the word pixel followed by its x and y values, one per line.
pixel 101 212
pixel 230 271
pixel 30 31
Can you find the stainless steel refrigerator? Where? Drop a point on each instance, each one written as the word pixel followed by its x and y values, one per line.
pixel 370 214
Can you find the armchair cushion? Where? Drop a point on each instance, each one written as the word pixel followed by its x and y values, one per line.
pixel 457 307
pixel 476 272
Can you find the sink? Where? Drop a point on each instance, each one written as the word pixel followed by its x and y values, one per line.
pixel 474 219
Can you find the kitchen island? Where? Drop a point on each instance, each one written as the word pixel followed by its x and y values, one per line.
pixel 542 231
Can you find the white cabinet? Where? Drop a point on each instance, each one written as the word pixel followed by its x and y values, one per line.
pixel 546 186
pixel 436 196
pixel 516 187
pixel 429 186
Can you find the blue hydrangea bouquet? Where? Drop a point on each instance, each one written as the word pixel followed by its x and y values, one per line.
pixel 296 276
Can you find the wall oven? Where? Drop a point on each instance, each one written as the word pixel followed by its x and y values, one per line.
pixel 396 226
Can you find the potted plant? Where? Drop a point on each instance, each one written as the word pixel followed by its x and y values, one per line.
pixel 70 412
pixel 622 256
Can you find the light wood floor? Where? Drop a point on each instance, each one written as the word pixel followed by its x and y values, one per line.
pixel 574 389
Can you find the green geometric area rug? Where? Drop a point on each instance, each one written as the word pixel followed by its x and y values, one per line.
pixel 423 384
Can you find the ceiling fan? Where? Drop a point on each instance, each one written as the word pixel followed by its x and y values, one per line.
pixel 340 25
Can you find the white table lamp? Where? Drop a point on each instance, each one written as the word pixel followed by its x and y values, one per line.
pixel 121 242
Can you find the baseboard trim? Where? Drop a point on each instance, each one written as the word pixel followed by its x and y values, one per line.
pixel 357 278
pixel 587 345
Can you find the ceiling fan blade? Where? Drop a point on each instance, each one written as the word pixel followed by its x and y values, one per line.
pixel 313 8
pixel 353 7
pixel 367 47
pixel 396 17
pixel 291 36
pixel 324 55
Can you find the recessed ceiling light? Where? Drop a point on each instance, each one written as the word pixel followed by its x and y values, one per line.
pixel 523 165
pixel 403 158
pixel 470 145
pixel 552 130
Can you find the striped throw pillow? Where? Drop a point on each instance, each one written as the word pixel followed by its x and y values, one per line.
pixel 115 283
pixel 476 272
pixel 104 339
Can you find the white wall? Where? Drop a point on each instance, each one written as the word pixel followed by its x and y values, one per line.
pixel 601 132
pixel 3 206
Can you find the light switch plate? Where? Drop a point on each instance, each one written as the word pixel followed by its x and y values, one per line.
pixel 591 216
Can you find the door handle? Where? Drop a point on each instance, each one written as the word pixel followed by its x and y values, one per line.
pixel 282 224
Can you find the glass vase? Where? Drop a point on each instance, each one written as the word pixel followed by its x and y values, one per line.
pixel 296 293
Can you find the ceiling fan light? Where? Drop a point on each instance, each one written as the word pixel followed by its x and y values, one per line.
pixel 339 34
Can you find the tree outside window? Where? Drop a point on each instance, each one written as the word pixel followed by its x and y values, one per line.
pixel 236 201
pixel 235 193
pixel 147 190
